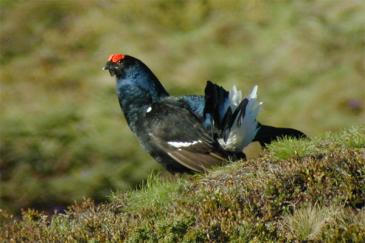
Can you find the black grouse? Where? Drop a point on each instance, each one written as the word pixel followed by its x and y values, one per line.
pixel 188 133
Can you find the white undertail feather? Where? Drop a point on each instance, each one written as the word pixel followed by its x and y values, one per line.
pixel 244 128
pixel 253 94
pixel 235 97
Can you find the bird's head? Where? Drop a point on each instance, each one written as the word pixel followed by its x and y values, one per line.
pixel 117 64
pixel 128 68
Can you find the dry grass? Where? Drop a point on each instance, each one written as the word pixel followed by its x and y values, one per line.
pixel 307 223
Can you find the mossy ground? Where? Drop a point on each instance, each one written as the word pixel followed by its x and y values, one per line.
pixel 62 135
pixel 296 190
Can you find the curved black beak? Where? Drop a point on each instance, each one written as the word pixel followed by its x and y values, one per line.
pixel 109 68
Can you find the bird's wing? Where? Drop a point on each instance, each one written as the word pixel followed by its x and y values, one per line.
pixel 180 134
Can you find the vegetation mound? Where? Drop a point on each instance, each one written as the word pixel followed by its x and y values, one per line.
pixel 296 190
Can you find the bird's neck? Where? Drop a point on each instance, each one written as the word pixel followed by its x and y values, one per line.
pixel 137 90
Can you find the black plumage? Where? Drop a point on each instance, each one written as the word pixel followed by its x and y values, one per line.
pixel 188 133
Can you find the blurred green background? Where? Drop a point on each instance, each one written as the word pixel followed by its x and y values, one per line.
pixel 62 135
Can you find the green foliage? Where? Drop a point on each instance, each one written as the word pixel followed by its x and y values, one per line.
pixel 62 136
pixel 314 197
pixel 155 192
pixel 286 148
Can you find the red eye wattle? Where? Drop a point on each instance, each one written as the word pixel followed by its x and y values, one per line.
pixel 116 57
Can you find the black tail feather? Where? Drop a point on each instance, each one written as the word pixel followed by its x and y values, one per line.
pixel 215 101
pixel 267 134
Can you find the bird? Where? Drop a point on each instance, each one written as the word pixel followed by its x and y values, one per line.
pixel 192 133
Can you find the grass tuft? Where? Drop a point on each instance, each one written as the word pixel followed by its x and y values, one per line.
pixel 307 223
pixel 352 138
pixel 154 193
pixel 288 147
